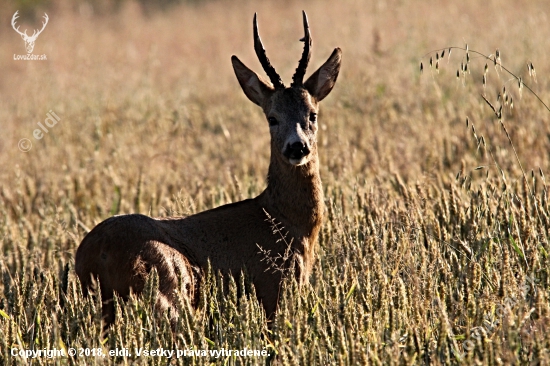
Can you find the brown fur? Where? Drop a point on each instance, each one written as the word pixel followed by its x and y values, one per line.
pixel 121 251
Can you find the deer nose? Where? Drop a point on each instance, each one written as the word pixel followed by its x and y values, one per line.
pixel 296 150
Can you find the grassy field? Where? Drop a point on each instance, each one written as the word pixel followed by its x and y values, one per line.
pixel 435 248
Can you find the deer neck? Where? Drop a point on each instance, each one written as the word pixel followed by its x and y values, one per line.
pixel 294 196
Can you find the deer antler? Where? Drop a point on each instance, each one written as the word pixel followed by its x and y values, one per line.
pixel 24 34
pixel 260 52
pixel 298 78
pixel 35 35
pixel 13 19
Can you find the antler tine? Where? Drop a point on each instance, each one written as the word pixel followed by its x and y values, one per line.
pixel 262 56
pixel 13 19
pixel 43 24
pixel 298 78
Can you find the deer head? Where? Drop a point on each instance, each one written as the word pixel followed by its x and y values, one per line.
pixel 29 40
pixel 290 111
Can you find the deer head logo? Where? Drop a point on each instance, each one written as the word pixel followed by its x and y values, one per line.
pixel 29 40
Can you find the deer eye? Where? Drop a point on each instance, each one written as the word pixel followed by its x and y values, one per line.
pixel 272 121
pixel 313 117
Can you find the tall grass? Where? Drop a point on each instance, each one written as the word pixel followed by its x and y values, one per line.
pixel 435 246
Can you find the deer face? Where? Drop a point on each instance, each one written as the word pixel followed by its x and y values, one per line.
pixel 291 112
pixel 29 42
pixel 292 117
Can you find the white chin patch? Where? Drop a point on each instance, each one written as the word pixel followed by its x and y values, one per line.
pixel 297 162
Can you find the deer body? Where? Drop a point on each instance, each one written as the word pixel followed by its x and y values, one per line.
pixel 122 250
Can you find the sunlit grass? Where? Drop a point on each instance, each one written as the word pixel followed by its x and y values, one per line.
pixel 434 249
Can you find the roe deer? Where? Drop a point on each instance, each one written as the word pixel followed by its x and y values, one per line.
pixel 121 251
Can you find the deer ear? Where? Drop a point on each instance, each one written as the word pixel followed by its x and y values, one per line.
pixel 321 82
pixel 255 88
